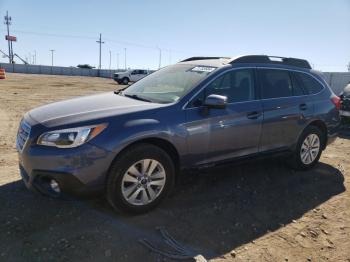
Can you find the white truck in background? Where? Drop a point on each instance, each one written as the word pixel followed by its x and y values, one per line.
pixel 130 76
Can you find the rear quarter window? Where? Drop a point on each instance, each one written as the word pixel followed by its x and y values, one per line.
pixel 310 84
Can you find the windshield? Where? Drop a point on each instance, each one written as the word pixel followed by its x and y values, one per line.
pixel 168 84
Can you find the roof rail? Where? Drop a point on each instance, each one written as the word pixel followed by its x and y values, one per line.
pixel 194 58
pixel 271 60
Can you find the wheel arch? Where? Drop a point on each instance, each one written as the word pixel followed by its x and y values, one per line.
pixel 162 143
pixel 322 127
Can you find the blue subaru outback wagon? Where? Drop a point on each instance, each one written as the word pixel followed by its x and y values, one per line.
pixel 132 143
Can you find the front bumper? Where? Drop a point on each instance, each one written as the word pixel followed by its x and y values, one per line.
pixel 39 181
pixel 78 171
pixel 117 78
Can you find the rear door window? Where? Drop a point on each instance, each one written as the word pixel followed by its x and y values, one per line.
pixel 298 89
pixel 275 83
pixel 310 84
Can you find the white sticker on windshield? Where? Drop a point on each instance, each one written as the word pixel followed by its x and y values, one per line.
pixel 206 69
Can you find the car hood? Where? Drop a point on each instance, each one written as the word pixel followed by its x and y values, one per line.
pixel 88 108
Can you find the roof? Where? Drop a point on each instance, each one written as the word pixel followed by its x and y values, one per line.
pixel 216 62
pixel 248 59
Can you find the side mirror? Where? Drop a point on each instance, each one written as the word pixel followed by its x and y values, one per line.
pixel 216 101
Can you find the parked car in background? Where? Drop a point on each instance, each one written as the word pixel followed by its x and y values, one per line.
pixel 345 102
pixel 200 112
pixel 130 76
pixel 85 66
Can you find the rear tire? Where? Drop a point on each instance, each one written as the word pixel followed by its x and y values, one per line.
pixel 125 81
pixel 140 178
pixel 308 150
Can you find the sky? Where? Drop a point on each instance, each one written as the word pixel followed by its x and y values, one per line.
pixel 317 30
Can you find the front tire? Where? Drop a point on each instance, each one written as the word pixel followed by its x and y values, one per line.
pixel 309 149
pixel 140 178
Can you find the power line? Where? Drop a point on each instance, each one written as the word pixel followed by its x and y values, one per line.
pixel 53 35
pixel 107 39
pixel 110 40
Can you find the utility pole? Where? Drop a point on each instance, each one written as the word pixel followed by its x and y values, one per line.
pixel 160 57
pixel 125 58
pixel 100 43
pixel 34 57
pixel 8 23
pixel 169 57
pixel 110 59
pixel 117 61
pixel 52 50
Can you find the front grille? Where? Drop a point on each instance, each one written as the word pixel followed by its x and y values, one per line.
pixel 22 135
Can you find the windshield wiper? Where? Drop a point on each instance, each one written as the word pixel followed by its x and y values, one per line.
pixel 137 97
pixel 119 91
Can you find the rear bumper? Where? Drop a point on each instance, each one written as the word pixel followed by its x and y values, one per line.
pixel 331 138
pixel 344 113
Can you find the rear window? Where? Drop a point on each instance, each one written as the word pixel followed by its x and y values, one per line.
pixel 310 84
pixel 275 83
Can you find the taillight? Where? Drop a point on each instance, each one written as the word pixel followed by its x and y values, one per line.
pixel 336 101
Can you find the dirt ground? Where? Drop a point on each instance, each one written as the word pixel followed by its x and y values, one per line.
pixel 255 211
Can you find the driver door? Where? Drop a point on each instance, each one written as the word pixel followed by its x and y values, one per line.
pixel 221 134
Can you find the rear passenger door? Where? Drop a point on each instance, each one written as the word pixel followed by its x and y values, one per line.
pixel 286 109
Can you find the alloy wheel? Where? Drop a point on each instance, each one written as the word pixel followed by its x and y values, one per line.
pixel 310 149
pixel 143 182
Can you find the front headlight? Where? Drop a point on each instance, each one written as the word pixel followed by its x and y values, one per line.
pixel 72 137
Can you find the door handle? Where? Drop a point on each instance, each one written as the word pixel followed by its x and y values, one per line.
pixel 303 107
pixel 253 115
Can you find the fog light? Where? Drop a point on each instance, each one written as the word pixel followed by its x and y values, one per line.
pixel 54 186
